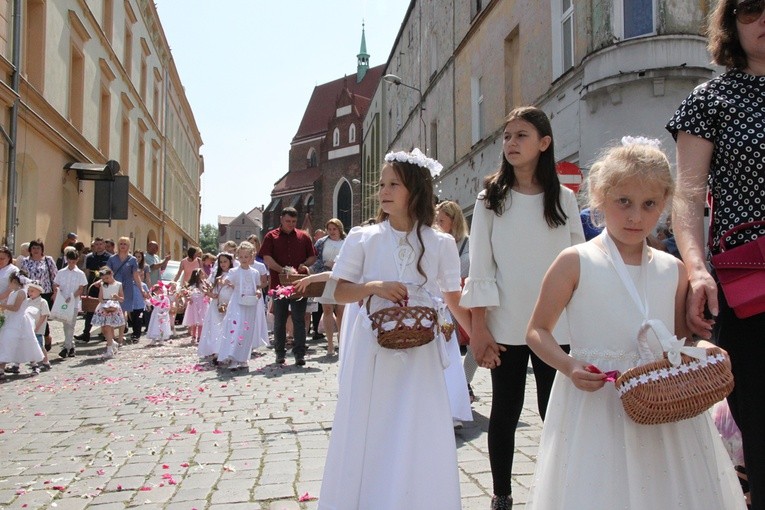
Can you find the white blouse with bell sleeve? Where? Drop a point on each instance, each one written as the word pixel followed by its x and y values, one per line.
pixel 509 257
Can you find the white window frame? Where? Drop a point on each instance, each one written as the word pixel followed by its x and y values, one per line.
pixel 559 17
pixel 352 133
pixel 618 20
pixel 336 137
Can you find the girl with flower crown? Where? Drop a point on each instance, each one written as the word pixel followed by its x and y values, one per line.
pixel 521 221
pixel 220 295
pixel 159 328
pixel 245 323
pixel 392 443
pixel 591 454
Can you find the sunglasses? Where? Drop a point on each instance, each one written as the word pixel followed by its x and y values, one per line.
pixel 749 11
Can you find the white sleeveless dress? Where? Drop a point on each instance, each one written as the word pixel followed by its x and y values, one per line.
pixel 591 454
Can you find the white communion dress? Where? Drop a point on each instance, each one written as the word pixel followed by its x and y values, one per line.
pixel 392 445
pixel 591 454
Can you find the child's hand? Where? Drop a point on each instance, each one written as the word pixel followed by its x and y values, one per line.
pixel 302 285
pixel 392 291
pixel 586 377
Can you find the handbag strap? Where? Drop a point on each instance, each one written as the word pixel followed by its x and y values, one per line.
pixel 462 246
pixel 738 228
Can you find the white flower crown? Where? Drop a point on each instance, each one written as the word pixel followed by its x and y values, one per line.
pixel 641 140
pixel 416 157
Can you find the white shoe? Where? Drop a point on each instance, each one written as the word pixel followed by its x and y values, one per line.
pixel 108 354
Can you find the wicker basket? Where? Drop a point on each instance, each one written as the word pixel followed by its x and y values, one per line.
pixel 89 304
pixel 658 392
pixel 403 335
pixel 315 289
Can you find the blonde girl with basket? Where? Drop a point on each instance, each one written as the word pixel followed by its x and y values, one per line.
pixel 108 313
pixel 591 454
pixel 392 443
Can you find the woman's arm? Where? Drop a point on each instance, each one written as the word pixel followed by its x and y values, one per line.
pixel 557 288
pixel 694 156
pixel 681 295
pixel 348 292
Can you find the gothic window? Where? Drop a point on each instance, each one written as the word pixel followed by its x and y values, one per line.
pixel 352 133
pixel 336 138
pixel 344 203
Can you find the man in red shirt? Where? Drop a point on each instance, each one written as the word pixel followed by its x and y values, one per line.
pixel 282 247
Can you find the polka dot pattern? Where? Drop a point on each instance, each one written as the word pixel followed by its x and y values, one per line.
pixel 729 111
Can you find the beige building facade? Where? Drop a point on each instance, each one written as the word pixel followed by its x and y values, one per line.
pixel 96 82
pixel 600 69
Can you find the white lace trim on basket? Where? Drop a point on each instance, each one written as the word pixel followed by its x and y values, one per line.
pixel 665 373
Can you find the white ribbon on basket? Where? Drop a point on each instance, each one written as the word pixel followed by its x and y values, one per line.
pixel 670 344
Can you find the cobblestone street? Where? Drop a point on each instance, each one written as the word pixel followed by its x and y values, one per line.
pixel 154 429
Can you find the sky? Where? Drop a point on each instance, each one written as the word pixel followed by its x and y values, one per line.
pixel 249 68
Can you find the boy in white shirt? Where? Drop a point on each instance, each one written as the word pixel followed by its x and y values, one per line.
pixel 71 282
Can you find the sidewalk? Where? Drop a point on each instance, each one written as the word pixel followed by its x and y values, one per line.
pixel 153 429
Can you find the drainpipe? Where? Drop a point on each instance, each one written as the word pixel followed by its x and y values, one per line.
pixel 10 218
pixel 165 107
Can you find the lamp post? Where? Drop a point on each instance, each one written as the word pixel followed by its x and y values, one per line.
pixel 395 80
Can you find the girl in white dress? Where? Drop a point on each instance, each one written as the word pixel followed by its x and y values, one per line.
pixel 591 454
pixel 392 444
pixel 108 313
pixel 159 328
pixel 197 304
pixel 220 294
pixel 245 323
pixel 18 343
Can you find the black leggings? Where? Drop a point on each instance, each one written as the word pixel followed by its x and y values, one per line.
pixel 744 339
pixel 508 386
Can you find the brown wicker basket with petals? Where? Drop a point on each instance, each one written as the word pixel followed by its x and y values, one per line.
pixel 410 329
pixel 315 289
pixel 659 392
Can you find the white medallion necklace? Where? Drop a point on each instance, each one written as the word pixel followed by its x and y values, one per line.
pixel 403 252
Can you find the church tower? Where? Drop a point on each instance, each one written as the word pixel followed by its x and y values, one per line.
pixel 363 58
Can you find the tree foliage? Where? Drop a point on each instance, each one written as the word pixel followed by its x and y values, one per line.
pixel 208 239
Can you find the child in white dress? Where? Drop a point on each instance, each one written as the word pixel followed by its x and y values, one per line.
pixel 392 444
pixel 159 328
pixel 591 454
pixel 245 324
pixel 196 303
pixel 108 313
pixel 18 343
pixel 219 294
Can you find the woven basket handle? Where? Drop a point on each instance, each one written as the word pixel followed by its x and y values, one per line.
pixel 738 228
pixel 669 344
pixel 647 353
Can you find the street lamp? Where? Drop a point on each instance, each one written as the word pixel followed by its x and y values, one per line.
pixel 395 80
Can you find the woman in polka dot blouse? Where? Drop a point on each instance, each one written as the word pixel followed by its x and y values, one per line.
pixel 720 132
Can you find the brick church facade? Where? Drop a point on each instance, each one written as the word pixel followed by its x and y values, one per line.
pixel 323 180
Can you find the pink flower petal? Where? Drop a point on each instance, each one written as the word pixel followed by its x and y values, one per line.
pixel 216 431
pixel 184 464
pixel 306 497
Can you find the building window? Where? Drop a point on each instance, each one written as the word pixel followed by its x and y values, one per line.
pixel 154 171
pixel 144 78
pixel 128 57
pixel 155 101
pixel 76 86
pixel 313 159
pixel 108 21
pixel 512 71
pixel 562 16
pixel 125 145
pixel 238 234
pixel 104 117
pixel 634 18
pixel 567 33
pixel 477 109
pixel 34 43
pixel 433 140
pixel 336 138
pixel 352 133
pixel 343 204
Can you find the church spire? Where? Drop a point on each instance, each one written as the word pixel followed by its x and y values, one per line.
pixel 363 57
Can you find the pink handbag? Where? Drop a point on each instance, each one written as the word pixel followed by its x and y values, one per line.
pixel 741 271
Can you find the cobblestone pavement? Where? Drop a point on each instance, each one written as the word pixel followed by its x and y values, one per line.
pixel 154 429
